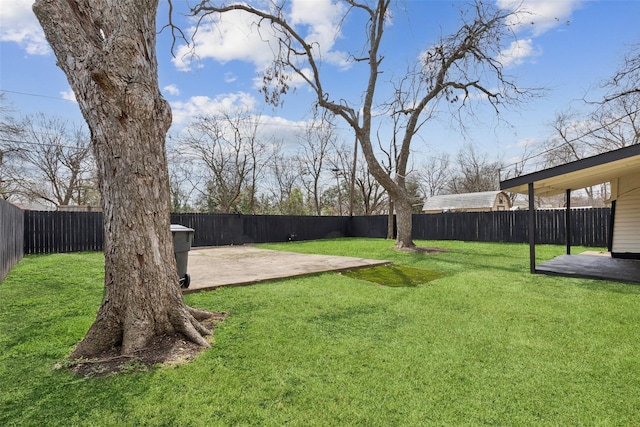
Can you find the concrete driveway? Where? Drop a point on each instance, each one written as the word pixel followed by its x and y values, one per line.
pixel 214 267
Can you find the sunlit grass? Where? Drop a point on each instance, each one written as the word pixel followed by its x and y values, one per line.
pixel 485 344
pixel 395 275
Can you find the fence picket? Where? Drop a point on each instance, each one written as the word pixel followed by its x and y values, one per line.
pixel 12 227
pixel 46 232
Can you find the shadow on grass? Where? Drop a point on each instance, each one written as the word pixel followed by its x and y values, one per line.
pixel 46 305
pixel 395 275
pixel 628 288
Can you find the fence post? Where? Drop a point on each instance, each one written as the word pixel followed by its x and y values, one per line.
pixel 532 230
pixel 11 237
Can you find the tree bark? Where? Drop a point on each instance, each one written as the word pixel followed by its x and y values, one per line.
pixel 391 214
pixel 106 48
pixel 404 224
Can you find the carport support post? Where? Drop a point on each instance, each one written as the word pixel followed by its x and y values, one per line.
pixel 532 230
pixel 567 222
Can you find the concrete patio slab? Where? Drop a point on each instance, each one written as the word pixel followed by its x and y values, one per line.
pixel 214 267
pixel 593 267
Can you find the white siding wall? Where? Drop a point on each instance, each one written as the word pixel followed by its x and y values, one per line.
pixel 626 226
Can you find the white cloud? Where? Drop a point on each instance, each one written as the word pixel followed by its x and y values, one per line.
pixel 322 19
pixel 516 52
pixel 198 106
pixel 236 35
pixel 18 24
pixel 171 90
pixel 270 129
pixel 232 36
pixel 533 17
pixel 68 95
pixel 539 16
pixel 280 130
pixel 522 143
pixel 230 77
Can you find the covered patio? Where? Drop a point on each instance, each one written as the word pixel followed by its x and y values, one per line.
pixel 590 266
pixel 620 168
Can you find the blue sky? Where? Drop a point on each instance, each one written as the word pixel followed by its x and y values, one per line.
pixel 569 50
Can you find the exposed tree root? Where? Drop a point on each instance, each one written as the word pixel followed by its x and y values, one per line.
pixel 200 314
pixel 181 346
pixel 191 328
pixel 403 245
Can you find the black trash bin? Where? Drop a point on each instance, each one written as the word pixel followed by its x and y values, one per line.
pixel 182 240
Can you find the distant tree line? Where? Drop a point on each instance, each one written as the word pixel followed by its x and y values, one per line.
pixel 225 163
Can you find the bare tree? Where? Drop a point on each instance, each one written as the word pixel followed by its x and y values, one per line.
pixel 612 123
pixel 618 115
pixel 368 196
pixel 108 53
pixel 340 168
pixel 475 172
pixel 391 147
pixel 566 144
pixel 334 197
pixel 371 197
pixel 518 167
pixel 434 175
pixel 9 136
pixel 576 139
pixel 625 82
pixel 52 163
pixel 315 142
pixel 181 179
pixel 455 69
pixel 286 181
pixel 232 157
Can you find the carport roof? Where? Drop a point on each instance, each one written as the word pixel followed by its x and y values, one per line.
pixel 579 174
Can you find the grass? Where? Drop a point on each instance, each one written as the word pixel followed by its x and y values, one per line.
pixel 485 344
pixel 395 275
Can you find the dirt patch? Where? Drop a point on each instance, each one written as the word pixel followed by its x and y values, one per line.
pixel 423 250
pixel 164 350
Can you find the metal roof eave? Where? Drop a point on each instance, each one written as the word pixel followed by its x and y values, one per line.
pixel 578 174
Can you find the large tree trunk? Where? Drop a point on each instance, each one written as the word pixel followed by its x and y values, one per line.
pixel 403 208
pixel 107 50
pixel 391 214
pixel 399 200
pixel 404 236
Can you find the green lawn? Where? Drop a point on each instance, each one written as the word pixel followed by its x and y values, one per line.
pixel 485 344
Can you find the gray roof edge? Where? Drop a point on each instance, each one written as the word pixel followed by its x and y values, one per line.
pixel 461 200
pixel 599 159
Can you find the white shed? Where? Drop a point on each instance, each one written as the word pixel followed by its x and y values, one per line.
pixel 485 201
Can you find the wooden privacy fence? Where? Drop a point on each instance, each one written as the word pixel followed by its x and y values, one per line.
pixel 11 237
pixel 46 232
pixel 589 227
pixel 59 231
pixel 237 229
